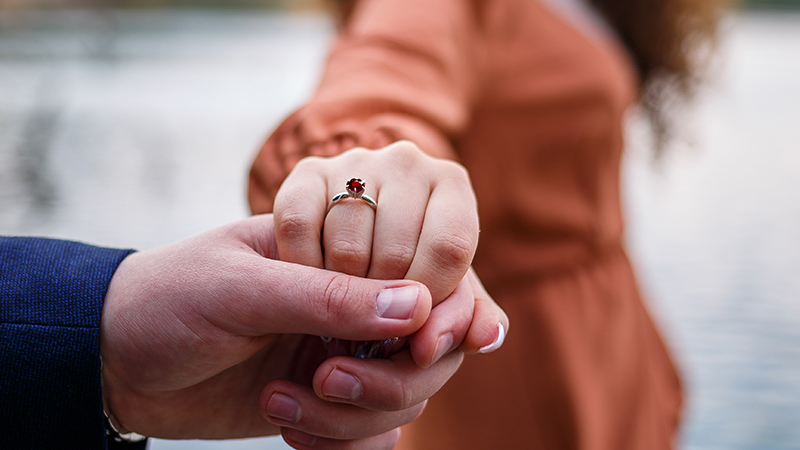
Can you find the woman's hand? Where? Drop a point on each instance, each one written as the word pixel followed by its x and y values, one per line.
pixel 425 228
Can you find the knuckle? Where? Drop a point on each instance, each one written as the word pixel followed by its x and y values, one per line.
pixel 343 254
pixel 454 171
pixel 459 171
pixel 394 260
pixel 406 148
pixel 294 226
pixel 405 155
pixel 401 397
pixel 356 153
pixel 452 249
pixel 406 397
pixel 335 297
pixel 404 145
pixel 308 163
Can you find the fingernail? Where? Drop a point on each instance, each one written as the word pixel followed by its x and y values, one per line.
pixel 281 406
pixel 443 345
pixel 397 303
pixel 498 341
pixel 305 439
pixel 341 384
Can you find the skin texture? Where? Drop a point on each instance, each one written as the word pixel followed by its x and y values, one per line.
pixel 209 337
pixel 215 337
pixel 425 228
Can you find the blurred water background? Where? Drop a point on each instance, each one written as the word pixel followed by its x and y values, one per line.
pixel 135 128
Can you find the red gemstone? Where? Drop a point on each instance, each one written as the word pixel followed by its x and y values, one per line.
pixel 356 185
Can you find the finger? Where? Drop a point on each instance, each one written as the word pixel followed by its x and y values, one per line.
pixel 393 384
pixel 446 326
pixel 256 232
pixel 278 297
pixel 449 235
pixel 254 295
pixel 398 222
pixel 489 323
pixel 347 239
pixel 304 441
pixel 290 405
pixel 300 207
pixel 258 295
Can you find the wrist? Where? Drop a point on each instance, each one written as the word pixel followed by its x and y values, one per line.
pixel 114 428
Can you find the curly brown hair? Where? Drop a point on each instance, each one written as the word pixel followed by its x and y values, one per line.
pixel 671 42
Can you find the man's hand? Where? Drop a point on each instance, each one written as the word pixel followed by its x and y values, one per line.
pixel 208 337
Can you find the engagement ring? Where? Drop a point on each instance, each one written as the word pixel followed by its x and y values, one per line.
pixel 355 190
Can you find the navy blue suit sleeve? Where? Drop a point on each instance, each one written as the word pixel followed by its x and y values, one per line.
pixel 51 295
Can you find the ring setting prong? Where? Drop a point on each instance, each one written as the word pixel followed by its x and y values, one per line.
pixel 354 188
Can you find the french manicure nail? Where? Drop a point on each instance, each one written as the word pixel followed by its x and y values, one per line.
pixel 283 407
pixel 498 341
pixel 341 384
pixel 397 303
pixel 443 345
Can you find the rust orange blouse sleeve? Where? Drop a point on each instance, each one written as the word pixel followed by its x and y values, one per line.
pixel 400 69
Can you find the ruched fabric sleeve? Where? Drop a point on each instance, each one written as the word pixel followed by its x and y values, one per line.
pixel 400 69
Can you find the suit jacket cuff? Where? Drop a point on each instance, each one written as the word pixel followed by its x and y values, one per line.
pixel 51 294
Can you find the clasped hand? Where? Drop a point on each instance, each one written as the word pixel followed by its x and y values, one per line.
pixel 216 336
pixel 425 228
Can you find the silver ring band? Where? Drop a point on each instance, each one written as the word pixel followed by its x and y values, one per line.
pixel 355 190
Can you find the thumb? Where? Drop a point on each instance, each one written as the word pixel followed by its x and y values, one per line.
pixel 288 298
pixel 282 297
